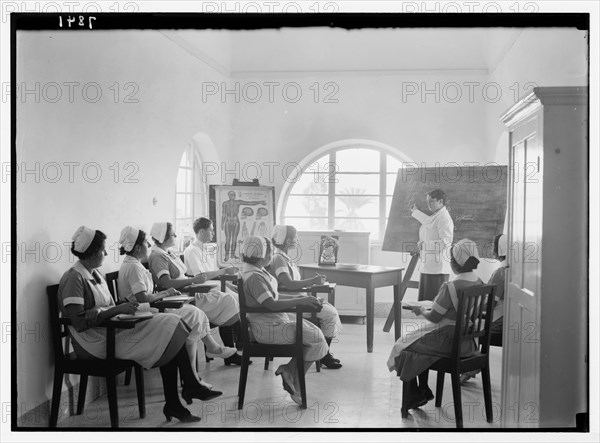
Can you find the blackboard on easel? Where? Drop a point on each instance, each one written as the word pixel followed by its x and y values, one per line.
pixel 476 200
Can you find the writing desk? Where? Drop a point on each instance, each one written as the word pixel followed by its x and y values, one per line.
pixel 368 277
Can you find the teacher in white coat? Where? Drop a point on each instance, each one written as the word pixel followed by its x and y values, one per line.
pixel 435 237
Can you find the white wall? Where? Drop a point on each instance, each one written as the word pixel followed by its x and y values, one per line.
pixel 151 133
pixel 539 57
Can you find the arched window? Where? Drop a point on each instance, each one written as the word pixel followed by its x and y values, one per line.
pixel 191 195
pixel 349 187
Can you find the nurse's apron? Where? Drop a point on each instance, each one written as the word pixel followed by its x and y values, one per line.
pixel 330 320
pixel 315 346
pixel 144 344
pixel 409 334
pixel 195 319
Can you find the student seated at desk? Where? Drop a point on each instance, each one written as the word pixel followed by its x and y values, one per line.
pixel 414 353
pixel 201 255
pixel 135 285
pixel 497 278
pixel 168 271
pixel 84 298
pixel 288 277
pixel 260 290
pixel 201 258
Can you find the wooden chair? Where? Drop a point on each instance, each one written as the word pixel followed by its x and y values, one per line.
pixel 473 322
pixel 112 279
pixel 313 290
pixel 66 362
pixel 255 349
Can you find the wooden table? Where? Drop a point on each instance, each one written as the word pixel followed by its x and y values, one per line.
pixel 368 277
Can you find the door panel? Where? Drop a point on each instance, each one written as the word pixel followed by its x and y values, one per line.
pixel 521 324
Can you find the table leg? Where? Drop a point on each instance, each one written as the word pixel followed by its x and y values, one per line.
pixel 397 312
pixel 370 317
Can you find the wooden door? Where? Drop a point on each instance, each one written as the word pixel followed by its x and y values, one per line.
pixel 520 399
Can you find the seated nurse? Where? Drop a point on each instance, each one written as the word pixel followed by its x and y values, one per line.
pixel 168 271
pixel 84 298
pixel 135 285
pixel 288 277
pixel 416 351
pixel 260 290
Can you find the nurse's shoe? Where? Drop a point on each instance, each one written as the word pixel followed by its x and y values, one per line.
pixel 235 359
pixel 180 413
pixel 331 363
pixel 201 393
pixel 286 380
pixel 226 352
pixel 297 398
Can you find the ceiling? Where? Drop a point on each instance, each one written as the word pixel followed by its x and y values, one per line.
pixel 309 50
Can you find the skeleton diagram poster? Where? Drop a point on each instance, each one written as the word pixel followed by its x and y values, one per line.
pixel 238 212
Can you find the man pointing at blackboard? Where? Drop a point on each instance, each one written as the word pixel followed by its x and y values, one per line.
pixel 435 237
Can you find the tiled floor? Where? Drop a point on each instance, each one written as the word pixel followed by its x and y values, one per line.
pixel 362 394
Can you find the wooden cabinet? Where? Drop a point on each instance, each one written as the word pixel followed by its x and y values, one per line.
pixel 354 248
pixel 545 373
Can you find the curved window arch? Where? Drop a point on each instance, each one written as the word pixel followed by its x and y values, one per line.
pixel 190 195
pixel 346 185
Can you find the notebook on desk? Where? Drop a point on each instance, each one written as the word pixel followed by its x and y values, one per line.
pixel 323 287
pixel 208 284
pixel 139 314
pixel 182 298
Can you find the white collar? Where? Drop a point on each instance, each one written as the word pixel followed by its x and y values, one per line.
pixel 203 245
pixel 84 271
pixel 249 268
pixel 280 252
pixel 131 259
pixel 159 250
pixel 440 211
pixel 504 263
pixel 467 276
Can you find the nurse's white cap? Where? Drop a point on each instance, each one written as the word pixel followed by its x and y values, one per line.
pixel 463 250
pixel 128 237
pixel 83 238
pixel 159 231
pixel 254 247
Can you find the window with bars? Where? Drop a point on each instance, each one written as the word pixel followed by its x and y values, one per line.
pixel 348 188
pixel 190 196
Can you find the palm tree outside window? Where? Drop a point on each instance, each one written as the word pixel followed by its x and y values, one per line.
pixel 348 188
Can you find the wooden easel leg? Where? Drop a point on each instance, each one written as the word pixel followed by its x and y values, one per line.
pixel 406 283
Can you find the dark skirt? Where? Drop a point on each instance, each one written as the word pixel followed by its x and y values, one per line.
pixel 433 346
pixel 430 284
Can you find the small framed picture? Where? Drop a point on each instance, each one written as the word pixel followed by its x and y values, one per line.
pixel 328 250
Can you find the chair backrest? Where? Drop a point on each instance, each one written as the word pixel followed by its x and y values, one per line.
pixel 112 279
pixel 57 323
pixel 244 325
pixel 474 317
